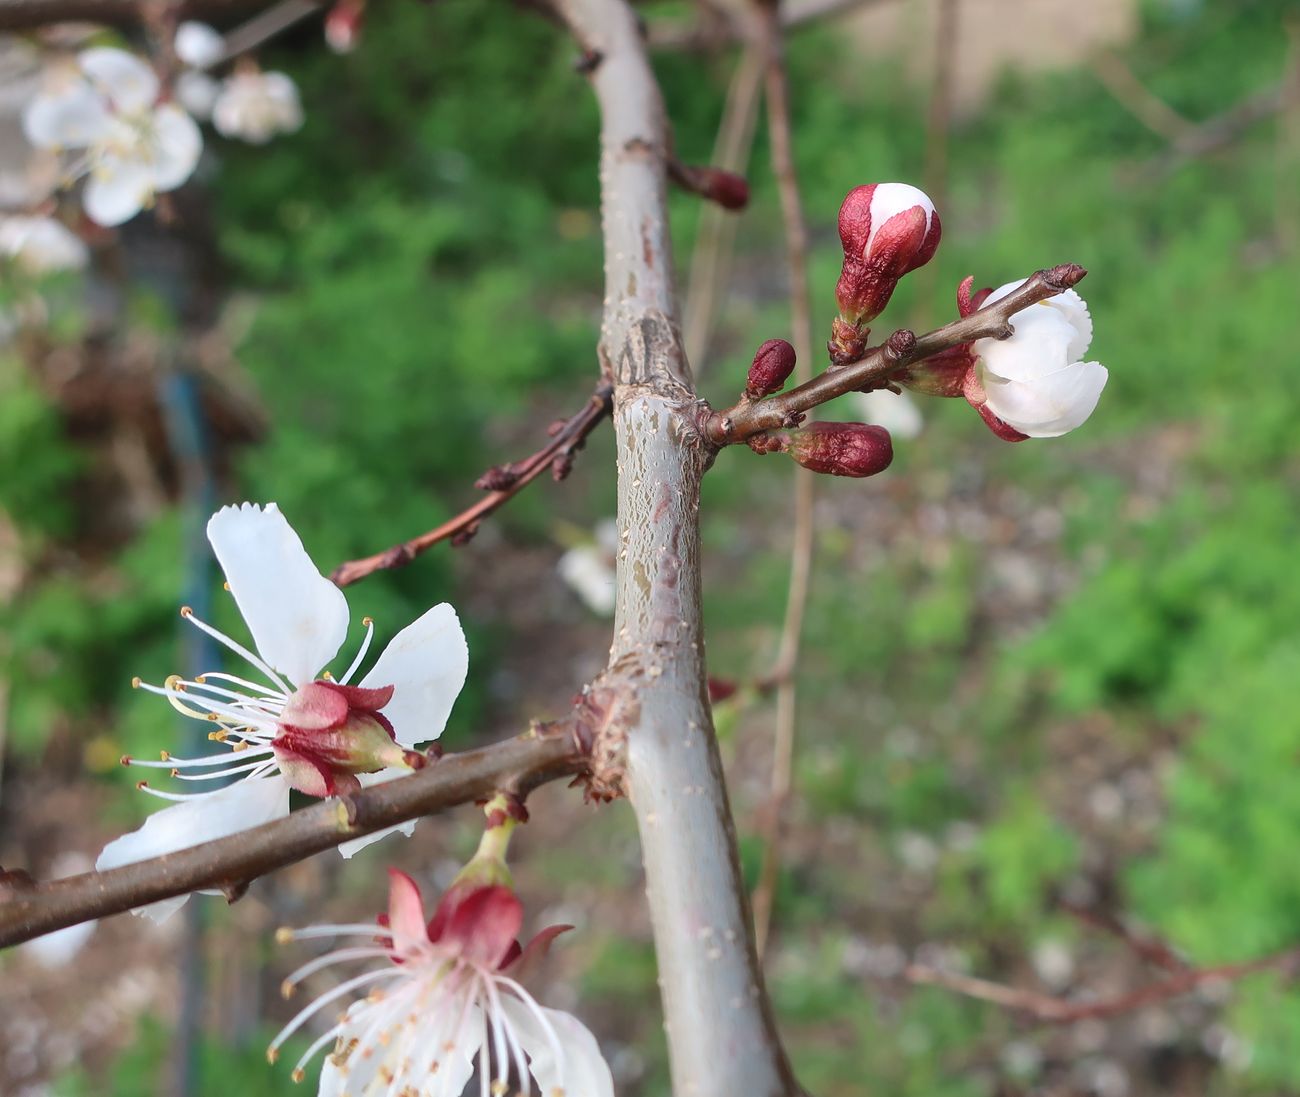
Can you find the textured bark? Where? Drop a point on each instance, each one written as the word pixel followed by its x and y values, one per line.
pixel 721 1036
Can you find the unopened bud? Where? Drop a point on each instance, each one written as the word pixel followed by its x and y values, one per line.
pixel 842 449
pixel 887 230
pixel 729 190
pixel 773 363
pixel 343 25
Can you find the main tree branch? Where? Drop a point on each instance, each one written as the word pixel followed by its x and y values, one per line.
pixel 901 349
pixel 30 14
pixel 518 765
pixel 722 1039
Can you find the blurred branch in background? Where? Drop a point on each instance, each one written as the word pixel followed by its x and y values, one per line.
pixel 718 27
pixel 777 99
pixel 1287 183
pixel 31 14
pixel 546 753
pixel 502 483
pixel 715 239
pixel 1135 97
pixel 1053 1010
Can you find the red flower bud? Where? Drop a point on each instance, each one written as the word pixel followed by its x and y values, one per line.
pixel 887 230
pixel 842 449
pixel 773 363
pixel 729 190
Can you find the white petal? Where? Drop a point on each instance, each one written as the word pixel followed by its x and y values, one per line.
pixel 70 117
pixel 890 199
pixel 42 244
pixel 241 806
pixel 1048 406
pixel 197 92
pixel 129 83
pixel 1041 338
pixel 896 412
pixel 426 664
pixel 1075 310
pixel 584 1072
pixel 298 618
pixel 407 828
pixel 199 45
pixel 55 950
pixel 177 144
pixel 117 190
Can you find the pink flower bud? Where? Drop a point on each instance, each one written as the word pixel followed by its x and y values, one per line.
pixel 343 25
pixel 773 363
pixel 842 449
pixel 887 230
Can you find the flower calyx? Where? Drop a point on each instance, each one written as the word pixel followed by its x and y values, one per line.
pixel 328 733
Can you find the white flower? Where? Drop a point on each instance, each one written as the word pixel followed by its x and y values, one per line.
pixel 199 45
pixel 255 106
pixel 41 245
pixel 896 412
pixel 293 728
pixel 1036 381
pixel 133 148
pixel 449 993
pixel 589 569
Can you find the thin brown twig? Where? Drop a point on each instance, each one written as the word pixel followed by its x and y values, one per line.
pixel 1151 949
pixel 502 484
pixel 744 420
pixel 546 753
pixel 29 14
pixel 777 98
pixel 265 25
pixel 1045 1007
pixel 715 238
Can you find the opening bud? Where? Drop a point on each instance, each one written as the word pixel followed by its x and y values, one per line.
pixel 842 449
pixel 773 363
pixel 887 230
pixel 343 25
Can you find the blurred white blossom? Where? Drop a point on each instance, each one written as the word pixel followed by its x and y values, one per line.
pixel 41 245
pixel 589 569
pixel 255 106
pixel 896 412
pixel 133 147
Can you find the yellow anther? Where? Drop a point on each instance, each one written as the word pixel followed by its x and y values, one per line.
pixel 218 736
pixel 272 1054
pixel 142 785
pixel 297 1074
pixel 163 756
pixel 173 772
pixel 327 676
pixel 225 586
pixel 499 1088
pixel 283 935
pixel 135 682
pixel 239 746
pixel 186 611
pixel 125 760
pixel 286 990
pixel 367 621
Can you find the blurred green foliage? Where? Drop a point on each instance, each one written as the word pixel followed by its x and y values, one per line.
pixel 425 259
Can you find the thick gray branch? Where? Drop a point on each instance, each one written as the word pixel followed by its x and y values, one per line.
pixel 721 1035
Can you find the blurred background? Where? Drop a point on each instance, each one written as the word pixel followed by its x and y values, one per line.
pixel 1035 678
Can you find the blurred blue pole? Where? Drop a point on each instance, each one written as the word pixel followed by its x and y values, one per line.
pixel 189 442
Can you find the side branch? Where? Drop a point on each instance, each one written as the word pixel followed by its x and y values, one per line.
pixel 1052 1010
pixel 518 765
pixel 901 349
pixel 502 483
